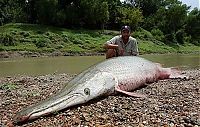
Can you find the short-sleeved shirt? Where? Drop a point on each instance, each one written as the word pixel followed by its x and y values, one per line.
pixel 130 48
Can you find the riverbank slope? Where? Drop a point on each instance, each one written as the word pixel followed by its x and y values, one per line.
pixel 37 40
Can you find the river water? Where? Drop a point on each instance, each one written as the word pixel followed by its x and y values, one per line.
pixel 76 64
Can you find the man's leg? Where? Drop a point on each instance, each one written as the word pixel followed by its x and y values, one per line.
pixel 110 53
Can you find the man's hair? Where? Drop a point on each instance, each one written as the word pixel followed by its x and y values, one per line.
pixel 126 28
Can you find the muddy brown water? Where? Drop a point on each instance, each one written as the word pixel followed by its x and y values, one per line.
pixel 76 64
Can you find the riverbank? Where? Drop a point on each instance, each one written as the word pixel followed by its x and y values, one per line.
pixel 17 54
pixel 171 102
pixel 38 40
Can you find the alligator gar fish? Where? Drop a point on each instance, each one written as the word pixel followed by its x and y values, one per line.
pixel 120 74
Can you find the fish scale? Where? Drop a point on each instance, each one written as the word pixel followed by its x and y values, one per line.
pixel 126 70
pixel 119 74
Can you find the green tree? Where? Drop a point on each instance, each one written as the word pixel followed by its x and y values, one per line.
pixel 193 26
pixel 12 11
pixel 94 12
pixel 103 14
pixel 31 11
pixel 72 14
pixel 170 19
pixel 176 17
pixel 113 6
pixel 175 22
pixel 130 16
pixel 46 11
pixel 148 7
pixel 63 3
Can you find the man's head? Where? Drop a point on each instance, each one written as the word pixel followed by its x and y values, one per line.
pixel 125 32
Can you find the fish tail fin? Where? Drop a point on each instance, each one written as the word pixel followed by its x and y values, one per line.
pixel 176 73
pixel 172 73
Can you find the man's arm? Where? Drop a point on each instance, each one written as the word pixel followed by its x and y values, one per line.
pixel 110 46
pixel 135 51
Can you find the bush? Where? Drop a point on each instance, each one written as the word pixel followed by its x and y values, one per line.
pixel 24 33
pixel 41 42
pixel 143 34
pixel 7 39
pixel 158 34
pixel 169 38
pixel 196 42
pixel 180 36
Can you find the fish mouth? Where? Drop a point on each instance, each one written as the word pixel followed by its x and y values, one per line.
pixel 49 106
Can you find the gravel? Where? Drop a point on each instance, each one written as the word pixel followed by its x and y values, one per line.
pixel 170 103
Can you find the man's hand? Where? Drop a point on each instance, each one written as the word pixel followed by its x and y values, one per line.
pixel 135 53
pixel 121 52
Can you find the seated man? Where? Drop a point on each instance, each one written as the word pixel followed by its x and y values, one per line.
pixel 122 45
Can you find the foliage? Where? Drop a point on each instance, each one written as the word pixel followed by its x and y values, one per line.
pixel 7 39
pixel 46 11
pixel 176 15
pixel 94 12
pixel 130 16
pixel 8 86
pixel 158 34
pixel 168 20
pixel 143 34
pixel 148 7
pixel 180 36
pixel 12 11
pixel 70 15
pixel 193 26
pixel 41 38
pixel 113 6
pixel 150 47
pixel 41 42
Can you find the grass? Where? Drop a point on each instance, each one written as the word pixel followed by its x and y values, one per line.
pixel 39 38
pixel 8 86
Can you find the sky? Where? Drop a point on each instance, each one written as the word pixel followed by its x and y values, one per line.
pixel 192 3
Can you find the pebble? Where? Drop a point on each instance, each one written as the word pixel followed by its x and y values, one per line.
pixel 170 103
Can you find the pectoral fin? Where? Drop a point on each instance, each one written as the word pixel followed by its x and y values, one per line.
pixel 130 93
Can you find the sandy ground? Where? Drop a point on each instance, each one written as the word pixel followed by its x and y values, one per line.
pixel 170 103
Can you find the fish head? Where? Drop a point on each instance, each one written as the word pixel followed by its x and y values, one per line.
pixel 84 87
pixel 97 84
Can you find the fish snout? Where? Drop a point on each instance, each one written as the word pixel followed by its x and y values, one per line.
pixel 20 119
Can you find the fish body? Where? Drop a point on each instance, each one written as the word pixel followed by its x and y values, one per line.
pixel 120 74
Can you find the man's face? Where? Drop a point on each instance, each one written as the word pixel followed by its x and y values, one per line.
pixel 125 34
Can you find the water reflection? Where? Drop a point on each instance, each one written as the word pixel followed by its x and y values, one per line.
pixel 176 60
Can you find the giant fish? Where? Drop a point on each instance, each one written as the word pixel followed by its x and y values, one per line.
pixel 115 75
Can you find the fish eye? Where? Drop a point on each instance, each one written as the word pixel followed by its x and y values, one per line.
pixel 87 91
